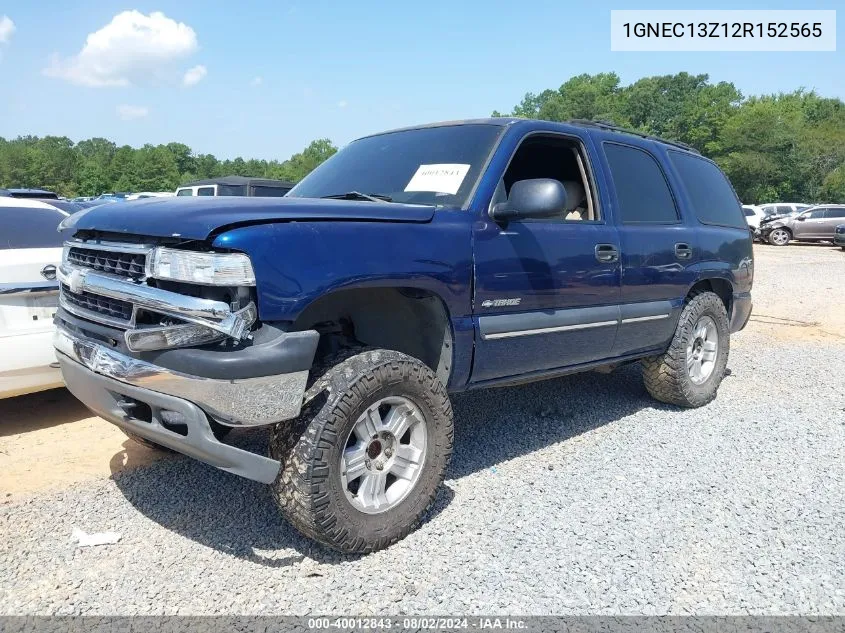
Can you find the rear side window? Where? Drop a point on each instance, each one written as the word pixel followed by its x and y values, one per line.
pixel 269 192
pixel 205 191
pixel 230 190
pixel 836 213
pixel 641 187
pixel 713 199
pixel 23 227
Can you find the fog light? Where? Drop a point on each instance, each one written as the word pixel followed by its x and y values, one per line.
pixel 149 339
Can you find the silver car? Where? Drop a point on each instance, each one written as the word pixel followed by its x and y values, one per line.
pixel 813 225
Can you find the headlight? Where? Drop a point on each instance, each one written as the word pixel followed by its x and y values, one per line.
pixel 213 269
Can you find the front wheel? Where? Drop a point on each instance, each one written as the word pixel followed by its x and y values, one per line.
pixel 780 237
pixel 689 373
pixel 365 458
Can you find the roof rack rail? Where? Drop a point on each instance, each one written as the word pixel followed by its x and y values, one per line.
pixel 609 125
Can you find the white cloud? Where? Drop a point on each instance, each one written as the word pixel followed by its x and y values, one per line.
pixel 194 75
pixel 7 28
pixel 342 103
pixel 132 47
pixel 257 81
pixel 132 112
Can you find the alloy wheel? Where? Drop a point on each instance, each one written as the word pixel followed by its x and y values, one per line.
pixel 702 350
pixel 384 455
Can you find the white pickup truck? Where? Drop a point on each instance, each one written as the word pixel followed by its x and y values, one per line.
pixel 30 252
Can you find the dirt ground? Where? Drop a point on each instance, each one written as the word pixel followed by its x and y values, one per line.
pixel 49 440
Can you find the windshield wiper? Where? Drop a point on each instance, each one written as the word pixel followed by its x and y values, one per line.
pixel 357 195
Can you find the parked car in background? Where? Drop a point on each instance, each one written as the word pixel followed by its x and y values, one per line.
pixel 411 264
pixel 839 236
pixel 780 209
pixel 111 197
pixel 149 194
pixel 39 194
pixel 30 253
pixel 753 214
pixel 235 186
pixel 816 224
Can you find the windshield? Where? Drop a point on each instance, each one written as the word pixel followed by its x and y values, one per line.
pixel 436 165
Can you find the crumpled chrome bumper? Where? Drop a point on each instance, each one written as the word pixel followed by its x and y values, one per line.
pixel 240 402
pixel 215 315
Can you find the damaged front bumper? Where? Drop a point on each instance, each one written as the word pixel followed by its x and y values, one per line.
pixel 171 407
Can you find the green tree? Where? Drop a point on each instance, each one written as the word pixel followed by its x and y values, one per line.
pixel 184 157
pixel 157 169
pixel 300 165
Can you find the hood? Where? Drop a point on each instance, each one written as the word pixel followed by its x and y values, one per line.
pixel 198 218
pixel 775 217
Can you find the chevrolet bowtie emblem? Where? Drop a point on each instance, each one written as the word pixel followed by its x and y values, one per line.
pixel 76 281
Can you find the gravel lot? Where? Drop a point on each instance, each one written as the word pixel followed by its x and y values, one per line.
pixel 573 496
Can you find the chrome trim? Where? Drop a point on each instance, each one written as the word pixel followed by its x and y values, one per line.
pixel 655 317
pixel 103 245
pixel 21 287
pixel 95 316
pixel 548 330
pixel 243 402
pixel 216 315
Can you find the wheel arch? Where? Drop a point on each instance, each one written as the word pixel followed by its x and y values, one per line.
pixel 407 319
pixel 721 287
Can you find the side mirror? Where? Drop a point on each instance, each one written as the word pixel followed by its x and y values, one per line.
pixel 801 218
pixel 534 198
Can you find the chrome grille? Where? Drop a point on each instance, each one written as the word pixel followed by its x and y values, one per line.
pixel 114 308
pixel 114 262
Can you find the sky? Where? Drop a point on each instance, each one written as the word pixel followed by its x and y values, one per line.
pixel 263 78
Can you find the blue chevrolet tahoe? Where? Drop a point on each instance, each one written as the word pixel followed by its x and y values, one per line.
pixel 412 264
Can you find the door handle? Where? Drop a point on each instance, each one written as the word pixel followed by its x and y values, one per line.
pixel 683 251
pixel 607 253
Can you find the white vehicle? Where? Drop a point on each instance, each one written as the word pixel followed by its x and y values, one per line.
pixel 150 194
pixel 30 252
pixel 753 215
pixel 235 186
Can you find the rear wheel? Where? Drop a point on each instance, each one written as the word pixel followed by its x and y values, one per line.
pixel 365 458
pixel 689 373
pixel 780 237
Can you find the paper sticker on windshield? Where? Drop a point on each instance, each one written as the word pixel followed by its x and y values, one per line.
pixel 442 178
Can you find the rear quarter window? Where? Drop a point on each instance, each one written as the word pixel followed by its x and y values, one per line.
pixel 269 192
pixel 641 188
pixel 712 197
pixel 25 227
